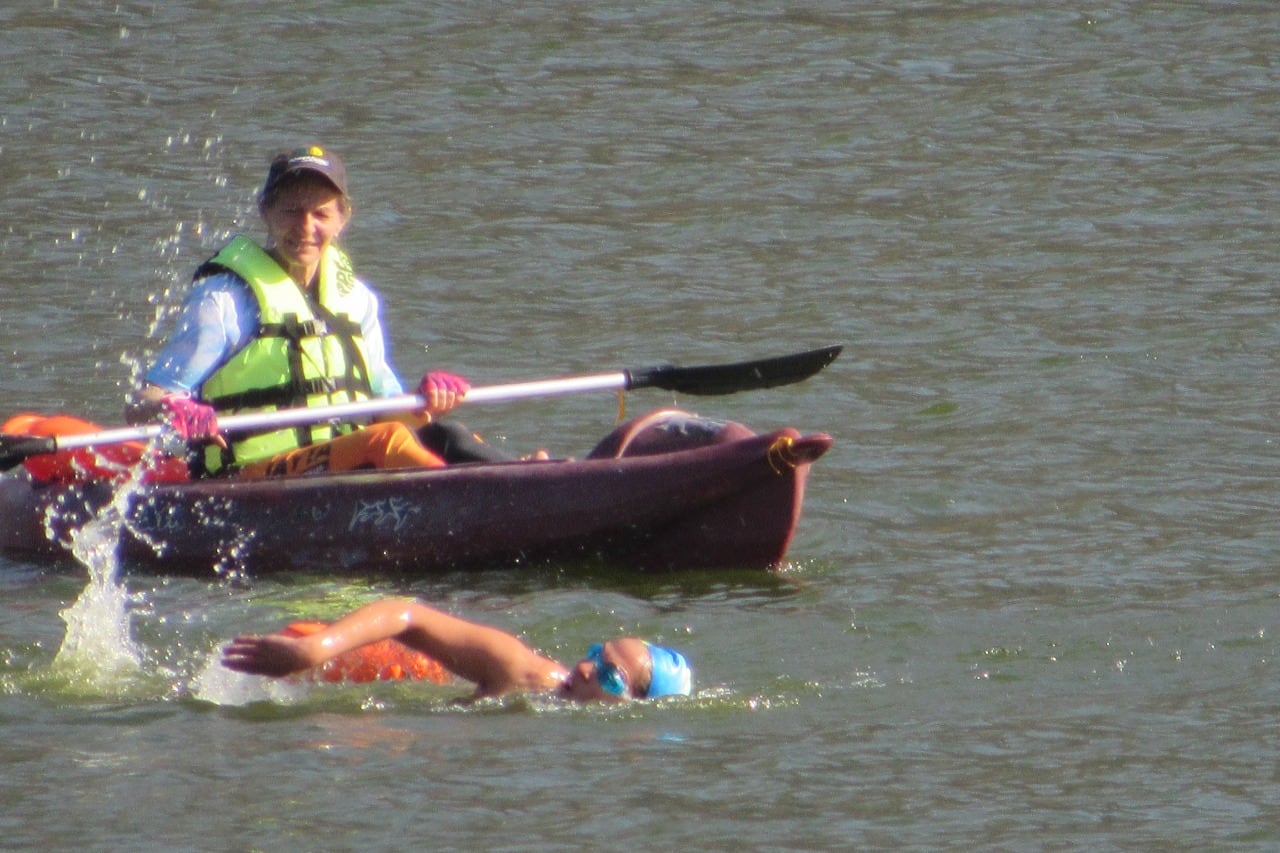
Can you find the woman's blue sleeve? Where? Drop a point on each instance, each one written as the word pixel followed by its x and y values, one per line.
pixel 210 328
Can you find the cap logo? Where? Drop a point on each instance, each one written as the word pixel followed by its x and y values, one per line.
pixel 311 155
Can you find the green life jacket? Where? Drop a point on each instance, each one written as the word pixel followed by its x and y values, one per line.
pixel 306 352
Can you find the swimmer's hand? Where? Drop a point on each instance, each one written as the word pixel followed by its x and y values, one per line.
pixel 274 655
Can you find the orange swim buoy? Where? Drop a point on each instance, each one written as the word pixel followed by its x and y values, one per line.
pixel 108 462
pixel 385 660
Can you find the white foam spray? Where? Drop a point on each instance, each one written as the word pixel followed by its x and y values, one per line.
pixel 98 648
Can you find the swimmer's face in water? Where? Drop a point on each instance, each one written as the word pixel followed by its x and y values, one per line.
pixel 610 672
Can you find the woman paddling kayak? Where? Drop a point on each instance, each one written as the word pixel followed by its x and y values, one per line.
pixel 288 324
pixel 495 661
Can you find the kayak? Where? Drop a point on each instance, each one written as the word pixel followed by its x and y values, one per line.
pixel 666 491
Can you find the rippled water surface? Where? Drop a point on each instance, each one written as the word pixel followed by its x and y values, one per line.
pixel 1033 599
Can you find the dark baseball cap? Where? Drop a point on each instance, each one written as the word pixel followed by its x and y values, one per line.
pixel 311 159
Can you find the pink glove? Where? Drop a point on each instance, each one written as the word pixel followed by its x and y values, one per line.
pixel 192 420
pixel 442 390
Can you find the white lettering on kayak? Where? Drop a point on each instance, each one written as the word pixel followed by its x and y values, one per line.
pixel 384 513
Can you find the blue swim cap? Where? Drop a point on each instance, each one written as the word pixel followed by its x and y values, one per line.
pixel 671 673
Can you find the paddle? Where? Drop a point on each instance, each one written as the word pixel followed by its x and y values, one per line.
pixel 704 380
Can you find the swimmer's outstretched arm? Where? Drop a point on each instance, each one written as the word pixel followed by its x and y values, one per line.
pixel 495 661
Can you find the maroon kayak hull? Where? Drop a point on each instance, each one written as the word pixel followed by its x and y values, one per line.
pixel 733 502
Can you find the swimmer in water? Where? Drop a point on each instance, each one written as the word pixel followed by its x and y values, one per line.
pixel 496 662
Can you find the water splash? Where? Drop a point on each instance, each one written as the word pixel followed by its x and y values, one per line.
pixel 98 649
pixel 220 686
pixel 98 644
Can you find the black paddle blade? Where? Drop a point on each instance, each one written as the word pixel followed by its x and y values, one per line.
pixel 732 378
pixel 15 448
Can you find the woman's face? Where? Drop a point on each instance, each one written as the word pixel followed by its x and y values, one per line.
pixel 627 658
pixel 303 218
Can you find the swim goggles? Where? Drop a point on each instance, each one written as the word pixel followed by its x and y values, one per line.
pixel 611 679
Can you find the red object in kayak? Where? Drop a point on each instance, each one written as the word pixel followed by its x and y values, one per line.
pixel 385 660
pixel 110 462
pixel 667 491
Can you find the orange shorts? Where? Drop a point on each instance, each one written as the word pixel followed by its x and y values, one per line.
pixel 389 444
